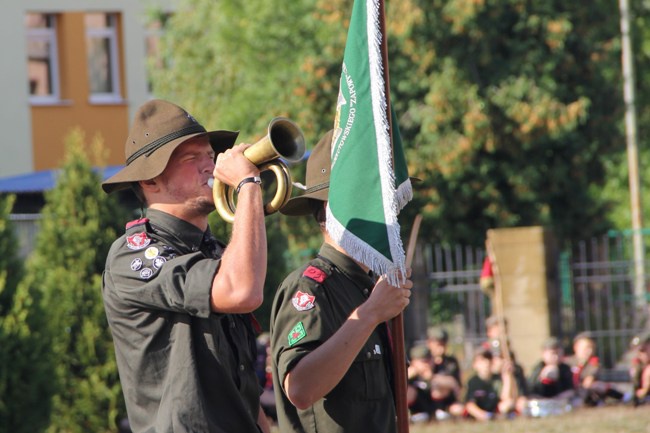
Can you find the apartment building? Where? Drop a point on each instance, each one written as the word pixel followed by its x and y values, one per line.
pixel 71 63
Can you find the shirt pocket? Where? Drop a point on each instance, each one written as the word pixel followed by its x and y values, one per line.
pixel 366 378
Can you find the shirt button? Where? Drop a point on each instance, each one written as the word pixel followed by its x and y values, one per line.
pixel 241 367
pixel 365 292
pixel 368 355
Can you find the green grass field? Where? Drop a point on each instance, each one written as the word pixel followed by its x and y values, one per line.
pixel 610 419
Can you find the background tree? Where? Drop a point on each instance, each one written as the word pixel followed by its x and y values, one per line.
pixel 78 226
pixel 521 110
pixel 11 266
pixel 25 361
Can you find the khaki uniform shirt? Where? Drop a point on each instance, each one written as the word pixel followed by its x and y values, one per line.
pixel 182 367
pixel 309 307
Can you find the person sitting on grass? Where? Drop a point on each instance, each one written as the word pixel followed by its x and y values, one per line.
pixel 585 366
pixel 640 371
pixel 419 376
pixel 482 401
pixel 502 365
pixel 445 384
pixel 551 377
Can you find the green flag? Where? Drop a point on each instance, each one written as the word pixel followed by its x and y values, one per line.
pixel 369 183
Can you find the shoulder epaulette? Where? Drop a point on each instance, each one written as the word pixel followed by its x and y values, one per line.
pixel 137 222
pixel 315 274
pixel 317 271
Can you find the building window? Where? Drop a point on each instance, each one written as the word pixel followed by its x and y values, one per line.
pixel 155 29
pixel 42 60
pixel 103 67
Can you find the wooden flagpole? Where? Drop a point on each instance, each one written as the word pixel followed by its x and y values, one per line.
pixel 398 351
pixel 498 308
pixel 397 323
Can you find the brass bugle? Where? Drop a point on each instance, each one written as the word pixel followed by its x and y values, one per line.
pixel 284 140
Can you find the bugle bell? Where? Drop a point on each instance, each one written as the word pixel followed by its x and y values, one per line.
pixel 285 140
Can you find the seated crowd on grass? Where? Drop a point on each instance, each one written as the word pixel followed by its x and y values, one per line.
pixel 497 387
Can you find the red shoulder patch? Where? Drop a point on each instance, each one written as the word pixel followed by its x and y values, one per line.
pixel 136 222
pixel 315 274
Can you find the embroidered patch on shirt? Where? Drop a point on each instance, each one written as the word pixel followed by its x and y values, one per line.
pixel 303 301
pixel 315 274
pixel 296 334
pixel 138 241
pixel 151 253
pixel 158 262
pixel 146 273
pixel 136 264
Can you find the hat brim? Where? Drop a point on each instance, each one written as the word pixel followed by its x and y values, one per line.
pixel 300 205
pixel 149 166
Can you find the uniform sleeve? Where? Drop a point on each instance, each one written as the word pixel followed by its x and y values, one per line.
pixel 157 278
pixel 591 368
pixel 297 322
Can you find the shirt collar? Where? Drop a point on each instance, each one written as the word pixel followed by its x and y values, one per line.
pixel 347 265
pixel 186 232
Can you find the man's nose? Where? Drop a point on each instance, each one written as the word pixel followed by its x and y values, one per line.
pixel 208 164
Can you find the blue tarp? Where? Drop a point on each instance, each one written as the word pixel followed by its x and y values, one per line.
pixel 44 180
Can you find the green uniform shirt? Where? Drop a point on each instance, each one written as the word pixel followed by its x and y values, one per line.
pixel 182 367
pixel 309 307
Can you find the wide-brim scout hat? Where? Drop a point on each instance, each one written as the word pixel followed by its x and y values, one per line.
pixel 159 127
pixel 317 179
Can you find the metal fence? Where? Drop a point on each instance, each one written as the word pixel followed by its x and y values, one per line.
pixel 597 293
pixel 456 296
pixel 26 229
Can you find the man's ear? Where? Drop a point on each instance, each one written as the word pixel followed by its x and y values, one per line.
pixel 149 185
